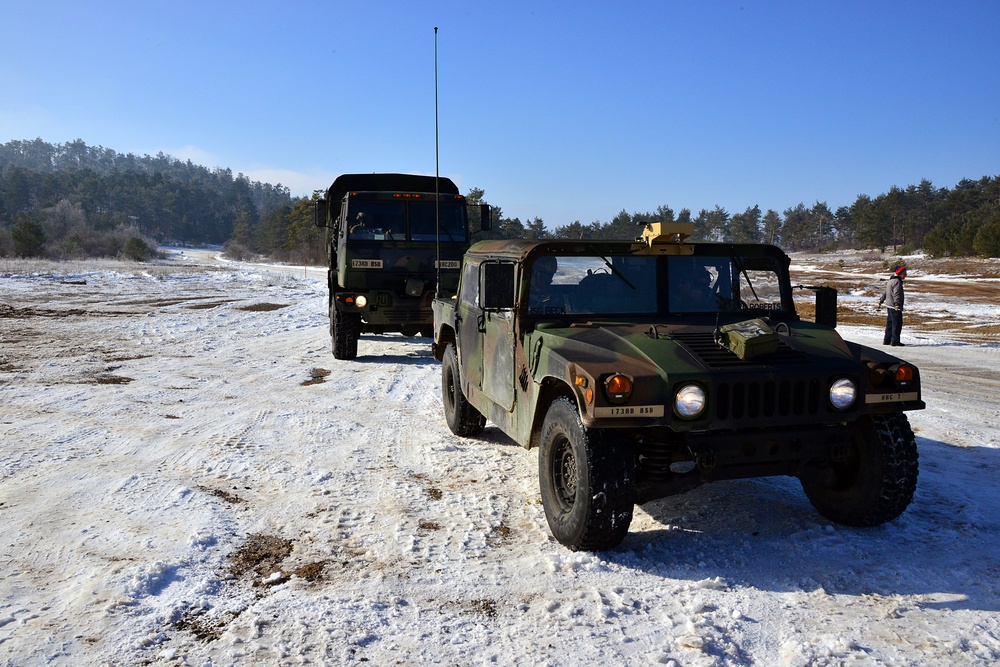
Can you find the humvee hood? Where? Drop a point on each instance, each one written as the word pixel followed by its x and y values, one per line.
pixel 631 345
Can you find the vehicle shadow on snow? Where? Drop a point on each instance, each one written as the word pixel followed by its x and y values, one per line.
pixel 419 353
pixel 944 550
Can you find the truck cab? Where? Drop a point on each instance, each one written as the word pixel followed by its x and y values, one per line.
pixel 393 242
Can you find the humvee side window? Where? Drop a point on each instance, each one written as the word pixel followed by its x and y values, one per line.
pixel 470 284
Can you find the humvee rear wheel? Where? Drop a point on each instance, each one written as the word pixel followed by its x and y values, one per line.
pixel 463 419
pixel 344 329
pixel 876 482
pixel 587 481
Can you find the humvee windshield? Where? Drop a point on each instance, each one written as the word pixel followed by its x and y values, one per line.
pixel 387 221
pixel 648 285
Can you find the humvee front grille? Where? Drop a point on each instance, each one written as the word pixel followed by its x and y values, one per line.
pixel 713 355
pixel 768 399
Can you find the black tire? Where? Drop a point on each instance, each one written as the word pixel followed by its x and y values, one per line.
pixel 877 480
pixel 344 329
pixel 463 419
pixel 587 481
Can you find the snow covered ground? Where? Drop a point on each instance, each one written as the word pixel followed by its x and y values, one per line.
pixel 188 477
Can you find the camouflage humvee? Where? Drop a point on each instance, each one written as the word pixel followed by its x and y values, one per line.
pixel 645 369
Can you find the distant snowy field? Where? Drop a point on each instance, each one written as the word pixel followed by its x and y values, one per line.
pixel 188 477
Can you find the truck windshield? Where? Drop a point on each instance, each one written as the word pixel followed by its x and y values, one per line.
pixel 422 216
pixel 387 221
pixel 376 220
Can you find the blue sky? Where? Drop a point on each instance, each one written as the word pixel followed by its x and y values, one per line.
pixel 562 110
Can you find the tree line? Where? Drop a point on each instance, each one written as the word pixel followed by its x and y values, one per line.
pixel 70 200
pixel 960 221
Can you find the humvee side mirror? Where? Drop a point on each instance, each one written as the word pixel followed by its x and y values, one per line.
pixel 496 285
pixel 319 212
pixel 485 217
pixel 826 306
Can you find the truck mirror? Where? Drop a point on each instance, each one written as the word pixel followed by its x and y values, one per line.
pixel 485 217
pixel 496 285
pixel 319 212
pixel 826 306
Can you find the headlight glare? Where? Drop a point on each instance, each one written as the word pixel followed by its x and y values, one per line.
pixel 689 401
pixel 362 301
pixel 842 393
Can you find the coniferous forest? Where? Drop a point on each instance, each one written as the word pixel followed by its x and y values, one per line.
pixel 71 200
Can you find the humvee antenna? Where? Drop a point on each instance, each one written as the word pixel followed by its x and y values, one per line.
pixel 437 186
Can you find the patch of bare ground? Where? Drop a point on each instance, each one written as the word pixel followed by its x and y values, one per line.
pixel 317 376
pixel 263 307
pixel 260 555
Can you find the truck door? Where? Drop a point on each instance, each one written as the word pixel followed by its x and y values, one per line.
pixel 497 327
pixel 468 314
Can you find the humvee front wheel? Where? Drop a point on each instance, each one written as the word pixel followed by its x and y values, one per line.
pixel 876 481
pixel 587 481
pixel 463 419
pixel 344 329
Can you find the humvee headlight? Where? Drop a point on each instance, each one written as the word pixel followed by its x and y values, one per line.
pixel 842 393
pixel 618 388
pixel 362 301
pixel 689 401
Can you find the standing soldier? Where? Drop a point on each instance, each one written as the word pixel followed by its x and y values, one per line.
pixel 893 300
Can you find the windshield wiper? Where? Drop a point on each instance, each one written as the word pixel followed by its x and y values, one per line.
pixel 741 270
pixel 616 272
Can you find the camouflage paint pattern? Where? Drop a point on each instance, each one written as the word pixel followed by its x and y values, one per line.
pixel 766 415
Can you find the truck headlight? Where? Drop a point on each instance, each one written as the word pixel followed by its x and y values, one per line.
pixel 842 393
pixel 689 401
pixel 361 301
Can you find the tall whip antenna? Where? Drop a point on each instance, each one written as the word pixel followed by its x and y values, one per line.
pixel 437 176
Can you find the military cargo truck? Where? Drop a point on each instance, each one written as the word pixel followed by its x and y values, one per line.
pixel 388 254
pixel 644 369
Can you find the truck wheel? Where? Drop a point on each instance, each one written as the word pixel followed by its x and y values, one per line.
pixel 463 419
pixel 344 329
pixel 587 481
pixel 876 482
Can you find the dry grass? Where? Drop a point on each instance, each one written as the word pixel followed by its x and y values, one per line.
pixel 863 275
